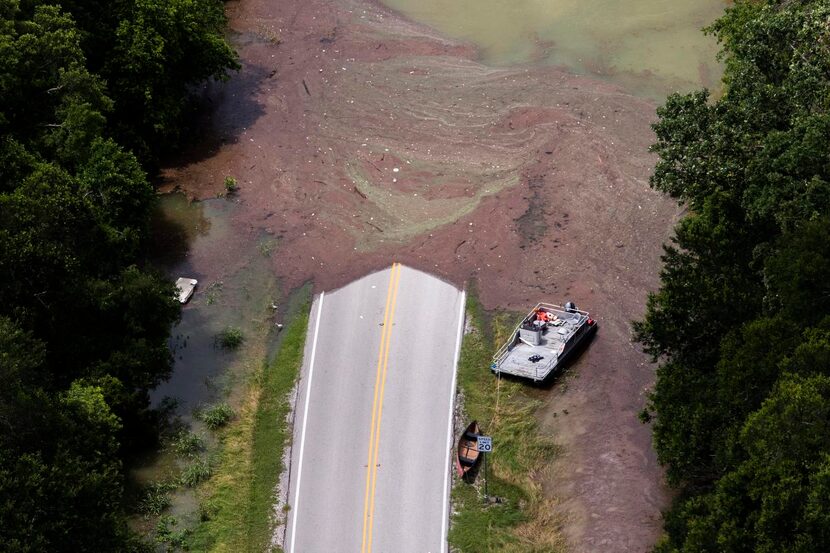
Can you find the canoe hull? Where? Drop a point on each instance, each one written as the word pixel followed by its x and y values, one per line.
pixel 467 455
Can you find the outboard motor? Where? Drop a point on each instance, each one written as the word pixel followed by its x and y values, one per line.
pixel 570 307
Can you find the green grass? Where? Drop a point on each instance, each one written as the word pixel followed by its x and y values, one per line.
pixel 271 433
pixel 525 521
pixel 237 502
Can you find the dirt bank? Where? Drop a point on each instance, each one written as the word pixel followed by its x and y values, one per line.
pixel 358 138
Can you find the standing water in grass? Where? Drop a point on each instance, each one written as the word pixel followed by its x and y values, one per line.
pixel 224 320
pixel 651 47
pixel 225 333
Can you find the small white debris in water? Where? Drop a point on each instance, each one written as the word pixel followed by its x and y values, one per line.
pixel 395 169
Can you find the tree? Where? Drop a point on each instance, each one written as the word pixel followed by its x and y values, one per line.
pixel 740 322
pixel 60 476
pixel 151 55
pixel 84 321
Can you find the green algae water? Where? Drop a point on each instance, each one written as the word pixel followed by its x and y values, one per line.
pixel 650 47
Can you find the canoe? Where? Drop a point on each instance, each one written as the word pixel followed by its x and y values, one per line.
pixel 467 455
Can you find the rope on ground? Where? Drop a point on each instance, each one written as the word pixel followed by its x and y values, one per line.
pixel 495 418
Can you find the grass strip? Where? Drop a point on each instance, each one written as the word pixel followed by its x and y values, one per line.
pixel 525 521
pixel 237 503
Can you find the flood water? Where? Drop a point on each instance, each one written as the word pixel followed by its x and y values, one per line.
pixel 236 289
pixel 650 47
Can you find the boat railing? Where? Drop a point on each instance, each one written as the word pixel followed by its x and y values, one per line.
pixel 502 352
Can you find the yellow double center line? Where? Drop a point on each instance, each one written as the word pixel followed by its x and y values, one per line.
pixel 377 408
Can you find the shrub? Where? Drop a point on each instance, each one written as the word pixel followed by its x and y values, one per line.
pixel 214 291
pixel 231 185
pixel 230 338
pixel 188 444
pixel 156 499
pixel 165 535
pixel 217 416
pixel 197 471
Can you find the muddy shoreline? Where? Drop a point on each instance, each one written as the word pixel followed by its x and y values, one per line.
pixel 359 138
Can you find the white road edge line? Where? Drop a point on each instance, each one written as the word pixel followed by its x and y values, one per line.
pixel 294 509
pixel 446 516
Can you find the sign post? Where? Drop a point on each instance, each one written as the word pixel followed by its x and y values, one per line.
pixel 484 444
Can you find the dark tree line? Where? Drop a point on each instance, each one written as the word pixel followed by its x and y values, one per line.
pixel 741 323
pixel 91 92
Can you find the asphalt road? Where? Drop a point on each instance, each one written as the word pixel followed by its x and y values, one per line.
pixel 372 436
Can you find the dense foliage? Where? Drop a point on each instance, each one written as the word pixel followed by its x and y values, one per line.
pixel 83 323
pixel 741 323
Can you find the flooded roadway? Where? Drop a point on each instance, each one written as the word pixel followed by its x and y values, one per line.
pixel 359 136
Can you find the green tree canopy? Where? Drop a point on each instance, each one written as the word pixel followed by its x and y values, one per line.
pixel 740 321
pixel 84 321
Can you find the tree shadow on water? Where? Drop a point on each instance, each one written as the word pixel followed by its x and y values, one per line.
pixel 222 111
pixel 175 224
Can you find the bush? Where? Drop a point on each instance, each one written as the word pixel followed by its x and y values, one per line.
pixel 188 444
pixel 197 471
pixel 231 185
pixel 165 534
pixel 156 499
pixel 230 338
pixel 217 416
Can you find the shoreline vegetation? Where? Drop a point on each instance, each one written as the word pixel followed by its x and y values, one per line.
pixel 237 502
pixel 94 93
pixel 524 520
pixel 740 410
pixel 236 492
